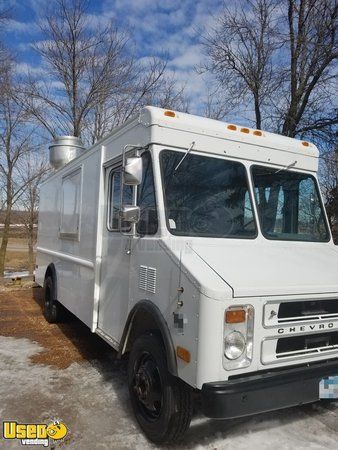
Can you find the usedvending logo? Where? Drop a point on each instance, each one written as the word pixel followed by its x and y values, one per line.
pixel 34 433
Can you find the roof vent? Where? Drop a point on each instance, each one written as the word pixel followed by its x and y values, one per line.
pixel 63 150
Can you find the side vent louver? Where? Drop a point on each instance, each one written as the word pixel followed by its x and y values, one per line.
pixel 147 279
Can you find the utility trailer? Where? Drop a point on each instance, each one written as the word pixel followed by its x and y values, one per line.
pixel 201 249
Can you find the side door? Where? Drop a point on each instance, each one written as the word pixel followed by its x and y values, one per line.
pixel 115 266
pixel 146 255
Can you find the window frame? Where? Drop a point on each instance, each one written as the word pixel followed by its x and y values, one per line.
pixel 250 191
pixel 112 171
pixel 117 168
pixel 148 152
pixel 310 175
pixel 74 236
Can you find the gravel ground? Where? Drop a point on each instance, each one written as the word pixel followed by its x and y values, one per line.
pixel 64 372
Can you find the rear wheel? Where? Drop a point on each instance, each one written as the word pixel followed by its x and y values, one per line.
pixel 52 308
pixel 162 403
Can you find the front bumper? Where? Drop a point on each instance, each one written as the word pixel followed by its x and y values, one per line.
pixel 264 392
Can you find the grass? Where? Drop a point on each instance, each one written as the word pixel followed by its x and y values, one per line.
pixel 17 251
pixel 16 260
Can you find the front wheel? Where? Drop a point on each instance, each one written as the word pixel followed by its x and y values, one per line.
pixel 162 403
pixel 53 311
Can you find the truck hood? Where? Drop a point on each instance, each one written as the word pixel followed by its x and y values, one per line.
pixel 255 268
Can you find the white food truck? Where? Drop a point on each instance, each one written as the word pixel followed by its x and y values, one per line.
pixel 203 251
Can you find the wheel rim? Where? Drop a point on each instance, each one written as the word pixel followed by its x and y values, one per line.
pixel 147 386
pixel 47 300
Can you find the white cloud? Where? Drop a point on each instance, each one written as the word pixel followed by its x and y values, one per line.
pixel 170 27
pixel 25 69
pixel 21 27
pixel 190 58
pixel 159 27
pixel 38 6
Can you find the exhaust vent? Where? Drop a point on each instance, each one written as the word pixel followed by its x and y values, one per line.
pixel 147 279
pixel 63 150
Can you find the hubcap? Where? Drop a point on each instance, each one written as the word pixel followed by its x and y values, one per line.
pixel 147 386
pixel 47 299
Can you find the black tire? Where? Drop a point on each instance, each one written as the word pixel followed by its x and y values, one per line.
pixel 162 403
pixel 52 311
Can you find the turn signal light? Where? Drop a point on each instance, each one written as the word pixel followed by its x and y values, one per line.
pixel 232 127
pixel 235 316
pixel 169 113
pixel 183 353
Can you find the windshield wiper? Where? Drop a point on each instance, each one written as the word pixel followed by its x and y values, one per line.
pixel 287 167
pixel 185 155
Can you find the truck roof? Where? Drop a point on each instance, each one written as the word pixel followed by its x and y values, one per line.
pixel 154 125
pixel 151 115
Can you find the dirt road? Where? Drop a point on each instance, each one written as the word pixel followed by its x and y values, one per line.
pixel 65 372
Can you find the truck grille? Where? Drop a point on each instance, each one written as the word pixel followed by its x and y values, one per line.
pixel 297 330
pixel 309 343
pixel 300 311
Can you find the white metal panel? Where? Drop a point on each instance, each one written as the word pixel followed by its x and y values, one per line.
pixel 148 252
pixel 115 273
pixel 72 256
pixel 262 268
pixel 244 151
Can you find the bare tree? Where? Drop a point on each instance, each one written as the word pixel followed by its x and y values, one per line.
pixel 5 56
pixel 329 186
pixel 240 50
pixel 15 143
pixel 312 45
pixel 33 169
pixel 82 66
pixel 283 55
pixel 148 86
pixel 92 79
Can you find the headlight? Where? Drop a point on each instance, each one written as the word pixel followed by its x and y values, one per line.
pixel 238 336
pixel 234 345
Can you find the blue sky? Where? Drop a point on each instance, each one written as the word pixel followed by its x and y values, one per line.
pixel 158 27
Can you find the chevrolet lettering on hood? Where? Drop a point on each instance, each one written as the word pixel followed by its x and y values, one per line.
pixel 308 328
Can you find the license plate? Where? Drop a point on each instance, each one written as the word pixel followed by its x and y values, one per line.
pixel 328 387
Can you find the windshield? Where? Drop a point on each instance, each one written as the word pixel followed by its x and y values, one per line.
pixel 206 196
pixel 289 205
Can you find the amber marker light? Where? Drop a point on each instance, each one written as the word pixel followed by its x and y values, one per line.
pixel 245 130
pixel 169 113
pixel 306 144
pixel 235 316
pixel 183 354
pixel 232 127
pixel 258 133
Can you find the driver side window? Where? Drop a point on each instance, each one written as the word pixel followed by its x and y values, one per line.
pixel 115 201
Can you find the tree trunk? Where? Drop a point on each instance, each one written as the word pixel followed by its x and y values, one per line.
pixel 4 242
pixel 258 113
pixel 30 257
pixel 289 126
pixel 31 248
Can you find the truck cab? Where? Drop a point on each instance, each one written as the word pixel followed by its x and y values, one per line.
pixel 201 249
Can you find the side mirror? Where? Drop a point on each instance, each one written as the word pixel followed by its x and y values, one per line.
pixel 132 173
pixel 130 214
